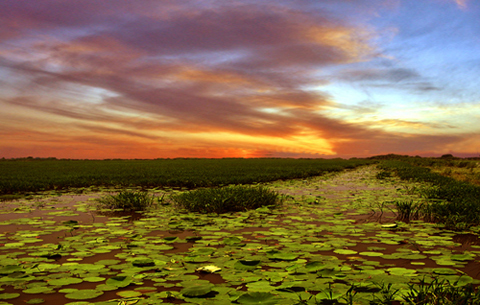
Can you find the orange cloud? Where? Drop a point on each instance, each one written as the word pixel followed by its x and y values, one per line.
pixel 353 42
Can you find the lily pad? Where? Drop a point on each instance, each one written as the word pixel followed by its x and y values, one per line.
pixel 314 266
pixel 371 253
pixel 38 289
pixel 462 257
pixel 84 294
pixel 345 251
pixel 119 281
pixel 35 301
pixel 231 241
pixel 146 262
pixel 209 269
pixel 197 289
pixel 444 271
pixel 8 296
pixel 93 279
pixel 389 225
pixel 129 293
pixel 65 281
pixel 253 298
pixel 283 256
pixel 246 264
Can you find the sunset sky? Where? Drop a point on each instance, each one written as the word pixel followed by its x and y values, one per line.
pixel 224 78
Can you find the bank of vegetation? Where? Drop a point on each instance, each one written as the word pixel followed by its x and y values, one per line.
pixel 452 202
pixel 31 175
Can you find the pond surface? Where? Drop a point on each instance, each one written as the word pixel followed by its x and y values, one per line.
pixel 330 234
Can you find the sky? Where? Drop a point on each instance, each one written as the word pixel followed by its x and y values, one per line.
pixel 91 79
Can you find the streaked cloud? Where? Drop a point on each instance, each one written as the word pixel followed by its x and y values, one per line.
pixel 206 78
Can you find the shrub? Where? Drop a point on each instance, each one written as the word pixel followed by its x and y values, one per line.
pixel 127 200
pixel 227 199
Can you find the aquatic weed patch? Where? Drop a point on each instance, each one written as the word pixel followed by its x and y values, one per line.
pixel 441 292
pixel 227 199
pixel 127 200
pixel 324 245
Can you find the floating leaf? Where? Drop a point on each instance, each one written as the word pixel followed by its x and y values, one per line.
pixel 35 301
pixel 246 264
pixel 462 257
pixel 93 279
pixel 371 253
pixel 345 251
pixel 170 238
pixel 390 225
pixel 8 296
pixel 38 289
pixel 119 281
pixel 209 269
pixel 10 269
pixel 314 266
pixel 283 256
pixel 253 298
pixel 444 271
pixel 260 286
pixel 196 259
pixel 65 281
pixel 231 241
pixel 197 289
pixel 146 262
pixel 129 294
pixel 401 271
pixel 84 294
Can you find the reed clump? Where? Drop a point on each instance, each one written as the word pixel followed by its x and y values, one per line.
pixel 127 200
pixel 235 198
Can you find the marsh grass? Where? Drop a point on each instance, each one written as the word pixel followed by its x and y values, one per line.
pixel 441 292
pixel 451 202
pixel 411 210
pixel 227 199
pixel 127 200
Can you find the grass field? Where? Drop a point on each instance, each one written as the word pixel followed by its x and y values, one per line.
pixel 30 175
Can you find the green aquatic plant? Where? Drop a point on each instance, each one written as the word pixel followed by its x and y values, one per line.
pixel 227 199
pixel 408 210
pixel 127 200
pixel 388 294
pixel 441 292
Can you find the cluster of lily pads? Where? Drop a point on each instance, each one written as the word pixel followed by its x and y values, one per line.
pixel 335 240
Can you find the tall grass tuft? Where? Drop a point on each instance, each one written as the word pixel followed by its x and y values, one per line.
pixel 227 199
pixel 411 210
pixel 127 200
pixel 441 292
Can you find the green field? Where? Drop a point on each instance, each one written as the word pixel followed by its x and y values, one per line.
pixel 30 175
